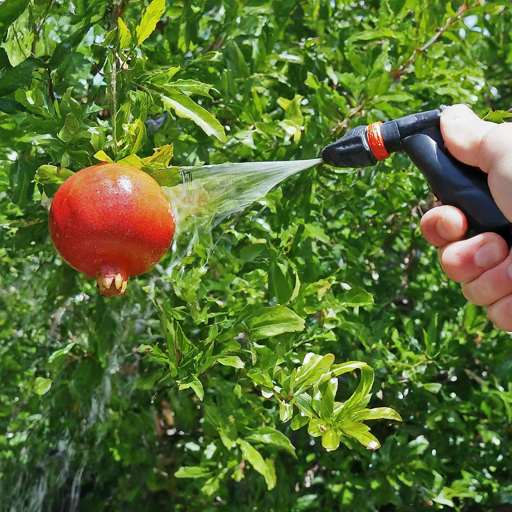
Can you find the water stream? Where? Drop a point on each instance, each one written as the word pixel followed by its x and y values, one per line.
pixel 208 194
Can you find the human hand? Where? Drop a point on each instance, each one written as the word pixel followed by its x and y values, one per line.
pixel 483 263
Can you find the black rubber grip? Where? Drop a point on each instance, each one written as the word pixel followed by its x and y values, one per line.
pixel 456 184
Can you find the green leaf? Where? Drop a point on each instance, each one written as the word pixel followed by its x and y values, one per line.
pixel 268 322
pixel 292 109
pixel 136 132
pixel 149 20
pixel 132 160
pixel 327 403
pixel 430 335
pixel 331 439
pixel 20 76
pixel 189 86
pixel 101 155
pixel 11 107
pixel 285 411
pixel 360 432
pixel 299 421
pixel 160 158
pixel 185 107
pixel 52 174
pixel 303 402
pixel 10 11
pixel 260 378
pixel 60 354
pixel 312 369
pixel 149 378
pixel 208 57
pixel 498 116
pixel 271 436
pixel 364 387
pixel 317 232
pixel 21 177
pixel 264 467
pixel 433 387
pixel 42 386
pixel 376 414
pixel 192 472
pixel 64 49
pixel 193 382
pixel 125 37
pixel 278 284
pixel 356 297
pixel 233 361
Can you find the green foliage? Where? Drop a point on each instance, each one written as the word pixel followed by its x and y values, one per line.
pixel 311 315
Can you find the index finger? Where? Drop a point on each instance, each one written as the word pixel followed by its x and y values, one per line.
pixel 443 224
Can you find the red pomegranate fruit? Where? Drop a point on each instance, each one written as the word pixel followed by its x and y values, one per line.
pixel 111 222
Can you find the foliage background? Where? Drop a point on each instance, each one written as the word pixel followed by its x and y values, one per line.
pixel 87 422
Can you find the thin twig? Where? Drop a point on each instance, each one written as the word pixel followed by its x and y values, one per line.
pixel 51 93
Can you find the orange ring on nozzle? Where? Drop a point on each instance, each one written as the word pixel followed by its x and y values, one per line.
pixel 376 142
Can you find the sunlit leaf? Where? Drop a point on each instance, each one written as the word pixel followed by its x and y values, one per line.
pixel 42 386
pixel 185 107
pixel 10 10
pixel 267 322
pixel 125 36
pixel 264 467
pixel 149 20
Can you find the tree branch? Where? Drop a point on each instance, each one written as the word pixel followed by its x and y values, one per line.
pixel 396 74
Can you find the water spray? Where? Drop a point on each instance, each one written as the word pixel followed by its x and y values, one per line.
pixel 208 194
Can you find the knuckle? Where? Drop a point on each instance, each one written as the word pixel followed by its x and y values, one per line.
pixel 475 295
pixel 500 316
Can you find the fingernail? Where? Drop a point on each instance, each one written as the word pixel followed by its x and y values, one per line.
pixel 509 271
pixel 441 230
pixel 449 219
pixel 487 256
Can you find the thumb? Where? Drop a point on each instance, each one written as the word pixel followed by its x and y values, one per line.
pixel 464 133
pixel 482 144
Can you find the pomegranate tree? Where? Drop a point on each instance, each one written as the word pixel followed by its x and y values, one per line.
pixel 110 222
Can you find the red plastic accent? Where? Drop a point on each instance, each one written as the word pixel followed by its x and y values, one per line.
pixel 376 142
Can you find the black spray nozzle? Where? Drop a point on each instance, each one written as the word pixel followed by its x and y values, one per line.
pixel 365 145
pixel 352 150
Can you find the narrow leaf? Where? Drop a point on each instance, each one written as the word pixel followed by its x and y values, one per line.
pixel 149 20
pixel 254 458
pixel 125 36
pixel 233 361
pixel 271 436
pixel 310 372
pixel 376 414
pixel 185 107
pixel 192 472
pixel 189 86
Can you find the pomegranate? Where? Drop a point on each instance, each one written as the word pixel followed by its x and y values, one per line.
pixel 111 222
